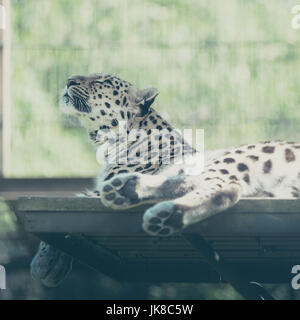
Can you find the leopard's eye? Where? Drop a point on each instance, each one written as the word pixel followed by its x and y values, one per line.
pixel 72 83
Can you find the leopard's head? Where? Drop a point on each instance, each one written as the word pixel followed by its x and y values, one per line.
pixel 101 102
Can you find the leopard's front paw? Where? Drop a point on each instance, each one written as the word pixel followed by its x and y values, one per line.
pixel 120 191
pixel 50 265
pixel 163 219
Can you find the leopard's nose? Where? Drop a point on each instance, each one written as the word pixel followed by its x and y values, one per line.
pixel 72 82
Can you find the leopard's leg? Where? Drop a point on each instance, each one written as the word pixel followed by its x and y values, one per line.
pixel 132 189
pixel 168 217
pixel 50 265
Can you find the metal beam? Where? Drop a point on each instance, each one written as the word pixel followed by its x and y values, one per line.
pixel 249 218
pixel 13 188
pixel 256 240
pixel 249 290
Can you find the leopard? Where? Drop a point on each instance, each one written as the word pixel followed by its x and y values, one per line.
pixel 145 162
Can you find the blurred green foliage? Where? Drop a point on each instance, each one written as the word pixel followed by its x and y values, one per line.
pixel 230 67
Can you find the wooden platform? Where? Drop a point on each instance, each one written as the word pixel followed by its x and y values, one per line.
pixel 261 237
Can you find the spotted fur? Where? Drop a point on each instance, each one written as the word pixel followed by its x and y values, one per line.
pixel 266 169
pixel 150 173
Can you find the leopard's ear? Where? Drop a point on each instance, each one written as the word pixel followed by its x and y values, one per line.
pixel 144 98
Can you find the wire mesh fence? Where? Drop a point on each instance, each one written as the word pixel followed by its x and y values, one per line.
pixel 229 68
